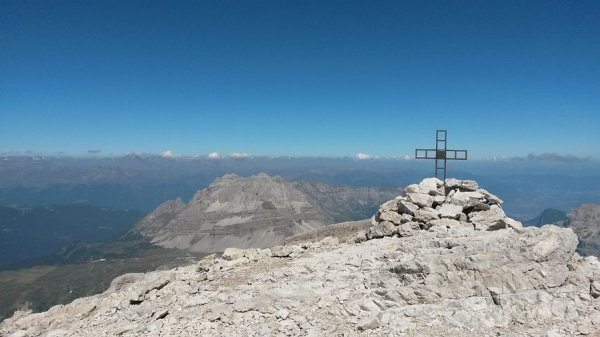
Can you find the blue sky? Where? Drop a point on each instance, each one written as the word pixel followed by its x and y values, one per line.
pixel 316 78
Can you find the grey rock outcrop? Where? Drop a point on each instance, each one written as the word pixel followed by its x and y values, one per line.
pixel 445 277
pixel 259 211
pixel 585 222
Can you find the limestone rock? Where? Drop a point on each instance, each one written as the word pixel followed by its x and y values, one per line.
pixel 384 228
pixel 420 199
pixel 413 188
pixel 407 207
pixel 285 251
pixel 514 224
pixel 463 185
pixel 430 186
pixel 585 221
pixel 595 289
pixel 438 200
pixel 330 241
pixel 426 214
pixel 489 196
pixel 233 254
pixel 450 211
pixel 282 314
pixel 361 236
pixel 466 199
pixel 408 228
pixel 488 220
pixel 390 216
pixel 124 280
pixel 447 223
pixel 391 205
pixel 259 211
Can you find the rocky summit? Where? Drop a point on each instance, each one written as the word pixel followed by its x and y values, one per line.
pixel 437 261
pixel 254 212
pixel 258 211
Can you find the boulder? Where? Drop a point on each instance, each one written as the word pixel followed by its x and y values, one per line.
pixel 491 219
pixel 450 211
pixel 514 224
pixel 285 251
pixel 391 217
pixel 389 206
pixel 231 254
pixel 124 280
pixel 466 199
pixel 330 241
pixel 384 228
pixel 438 200
pixel 490 197
pixel 408 229
pixel 420 199
pixel 430 186
pixel 405 206
pixel 463 185
pixel 426 214
pixel 361 236
pixel 413 188
pixel 405 217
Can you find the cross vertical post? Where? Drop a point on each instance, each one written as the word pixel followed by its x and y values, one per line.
pixel 441 154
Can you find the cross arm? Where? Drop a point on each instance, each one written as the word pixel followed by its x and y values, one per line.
pixel 425 154
pixel 441 154
pixel 456 154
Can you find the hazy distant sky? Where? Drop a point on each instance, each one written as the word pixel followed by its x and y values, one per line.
pixel 300 77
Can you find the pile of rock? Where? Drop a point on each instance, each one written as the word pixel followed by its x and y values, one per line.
pixel 429 205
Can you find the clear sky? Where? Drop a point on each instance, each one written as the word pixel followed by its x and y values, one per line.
pixel 323 78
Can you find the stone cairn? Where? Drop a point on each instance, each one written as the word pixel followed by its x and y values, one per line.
pixel 430 206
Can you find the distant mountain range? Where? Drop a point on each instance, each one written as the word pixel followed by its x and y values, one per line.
pixel 144 182
pixel 548 216
pixel 258 211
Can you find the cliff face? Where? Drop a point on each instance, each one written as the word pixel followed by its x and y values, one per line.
pixel 258 211
pixel 446 270
pixel 345 203
pixel 585 222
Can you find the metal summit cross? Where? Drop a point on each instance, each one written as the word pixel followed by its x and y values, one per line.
pixel 441 154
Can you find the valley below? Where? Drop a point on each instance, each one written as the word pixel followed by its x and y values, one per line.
pixel 82 272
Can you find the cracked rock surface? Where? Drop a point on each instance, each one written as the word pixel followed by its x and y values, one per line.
pixel 445 276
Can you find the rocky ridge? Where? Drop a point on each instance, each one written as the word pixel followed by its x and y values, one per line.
pixel 254 212
pixel 435 262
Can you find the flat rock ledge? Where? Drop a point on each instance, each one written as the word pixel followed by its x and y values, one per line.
pixel 434 263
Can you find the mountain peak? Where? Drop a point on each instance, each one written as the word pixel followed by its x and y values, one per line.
pixel 453 265
pixel 256 211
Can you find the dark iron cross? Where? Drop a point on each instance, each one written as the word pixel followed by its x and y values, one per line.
pixel 441 154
